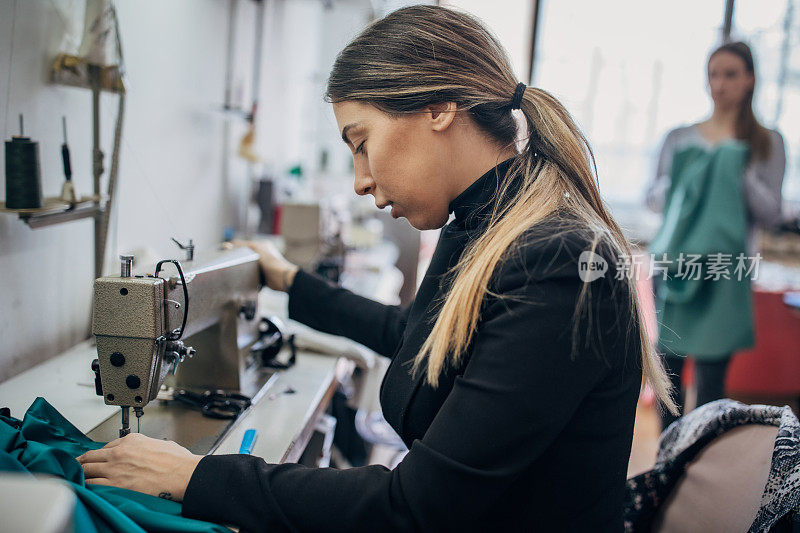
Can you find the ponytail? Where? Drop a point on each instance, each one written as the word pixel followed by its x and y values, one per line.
pixel 556 169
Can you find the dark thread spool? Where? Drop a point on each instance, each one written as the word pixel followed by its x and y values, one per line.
pixel 23 175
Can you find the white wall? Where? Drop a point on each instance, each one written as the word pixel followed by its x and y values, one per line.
pixel 171 167
pixel 511 21
pixel 179 172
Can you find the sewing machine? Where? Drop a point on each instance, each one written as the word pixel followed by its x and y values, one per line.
pixel 193 329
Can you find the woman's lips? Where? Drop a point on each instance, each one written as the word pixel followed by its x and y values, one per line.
pixel 395 212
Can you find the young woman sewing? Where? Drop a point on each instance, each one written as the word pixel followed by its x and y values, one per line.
pixel 514 375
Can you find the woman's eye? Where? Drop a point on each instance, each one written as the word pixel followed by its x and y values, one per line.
pixel 360 148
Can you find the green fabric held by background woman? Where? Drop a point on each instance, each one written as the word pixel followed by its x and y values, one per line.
pixel 706 309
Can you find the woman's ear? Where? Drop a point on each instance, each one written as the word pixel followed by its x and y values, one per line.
pixel 751 82
pixel 442 115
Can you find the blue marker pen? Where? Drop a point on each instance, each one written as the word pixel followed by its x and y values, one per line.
pixel 248 441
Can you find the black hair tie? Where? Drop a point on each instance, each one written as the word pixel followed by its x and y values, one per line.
pixel 518 92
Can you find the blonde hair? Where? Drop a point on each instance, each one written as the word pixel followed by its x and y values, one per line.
pixel 421 55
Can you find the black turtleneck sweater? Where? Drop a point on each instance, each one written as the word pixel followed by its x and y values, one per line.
pixel 526 434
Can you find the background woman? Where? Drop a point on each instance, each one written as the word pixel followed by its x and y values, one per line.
pixel 722 179
pixel 513 380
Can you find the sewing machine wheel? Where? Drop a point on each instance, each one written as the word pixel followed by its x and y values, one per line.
pixel 270 339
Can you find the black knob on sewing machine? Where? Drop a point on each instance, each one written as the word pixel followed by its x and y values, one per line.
pixel 117 359
pixel 133 381
pixel 98 387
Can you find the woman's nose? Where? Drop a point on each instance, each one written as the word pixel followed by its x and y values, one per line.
pixel 364 184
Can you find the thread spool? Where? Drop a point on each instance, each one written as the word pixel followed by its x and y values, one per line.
pixel 23 174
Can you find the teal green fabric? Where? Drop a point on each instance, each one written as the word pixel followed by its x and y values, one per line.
pixel 44 442
pixel 704 214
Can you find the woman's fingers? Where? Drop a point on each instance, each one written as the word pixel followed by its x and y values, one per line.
pixel 101 455
pixel 98 481
pixel 95 470
pixel 94 456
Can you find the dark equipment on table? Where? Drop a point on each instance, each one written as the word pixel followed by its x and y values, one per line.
pixel 269 344
pixel 216 403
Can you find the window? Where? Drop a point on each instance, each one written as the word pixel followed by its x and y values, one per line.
pixel 630 71
pixel 772 29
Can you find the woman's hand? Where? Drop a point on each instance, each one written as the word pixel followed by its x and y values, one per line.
pixel 278 272
pixel 157 467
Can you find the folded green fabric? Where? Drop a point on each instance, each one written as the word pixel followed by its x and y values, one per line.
pixel 44 442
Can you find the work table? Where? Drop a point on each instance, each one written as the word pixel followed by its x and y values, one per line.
pixel 284 421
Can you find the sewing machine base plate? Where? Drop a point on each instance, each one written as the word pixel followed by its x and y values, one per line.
pixel 172 420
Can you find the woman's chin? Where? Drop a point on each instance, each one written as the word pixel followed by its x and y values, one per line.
pixel 424 223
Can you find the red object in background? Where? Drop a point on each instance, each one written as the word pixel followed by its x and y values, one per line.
pixel 773 365
pixel 276 220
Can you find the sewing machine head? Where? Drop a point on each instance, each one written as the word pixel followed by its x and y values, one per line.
pixel 148 326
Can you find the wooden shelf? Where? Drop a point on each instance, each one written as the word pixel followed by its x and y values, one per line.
pixel 54 211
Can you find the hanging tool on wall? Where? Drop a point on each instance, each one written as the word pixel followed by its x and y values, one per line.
pixel 67 189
